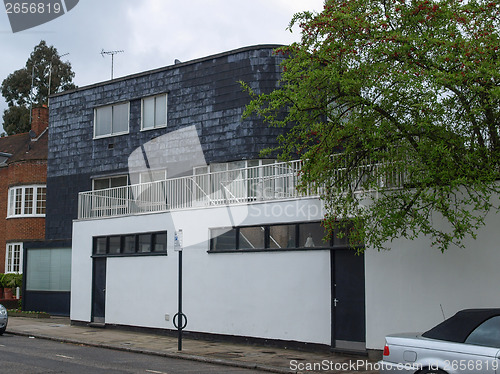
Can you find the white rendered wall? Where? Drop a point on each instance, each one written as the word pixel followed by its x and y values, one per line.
pixel 407 285
pixel 278 295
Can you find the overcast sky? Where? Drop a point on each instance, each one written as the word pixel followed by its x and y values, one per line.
pixel 152 33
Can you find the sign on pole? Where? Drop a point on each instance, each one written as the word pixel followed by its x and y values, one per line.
pixel 178 240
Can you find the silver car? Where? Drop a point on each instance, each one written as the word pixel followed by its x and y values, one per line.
pixel 468 342
pixel 3 319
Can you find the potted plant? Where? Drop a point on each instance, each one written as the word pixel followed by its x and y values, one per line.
pixel 9 281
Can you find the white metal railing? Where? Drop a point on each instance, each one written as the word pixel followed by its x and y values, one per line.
pixel 240 186
pixel 259 183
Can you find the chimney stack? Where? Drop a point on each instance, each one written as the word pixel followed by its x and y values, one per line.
pixel 39 119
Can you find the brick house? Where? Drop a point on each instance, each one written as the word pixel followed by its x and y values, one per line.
pixel 23 178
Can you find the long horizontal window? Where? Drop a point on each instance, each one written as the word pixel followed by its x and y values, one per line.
pixel 272 237
pixel 111 120
pixel 27 201
pixel 148 243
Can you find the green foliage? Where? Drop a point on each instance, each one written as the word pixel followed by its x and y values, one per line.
pixel 395 110
pixel 11 280
pixel 43 65
pixel 16 119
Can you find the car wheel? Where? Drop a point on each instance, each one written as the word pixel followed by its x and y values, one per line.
pixel 2 331
pixel 432 371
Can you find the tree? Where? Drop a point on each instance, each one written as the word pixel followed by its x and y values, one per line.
pixel 17 119
pixel 394 108
pixel 47 68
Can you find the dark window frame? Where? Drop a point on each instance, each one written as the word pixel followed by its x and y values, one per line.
pixel 122 252
pixel 333 243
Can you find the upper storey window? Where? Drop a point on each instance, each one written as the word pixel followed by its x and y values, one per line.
pixel 110 182
pixel 154 112
pixel 27 201
pixel 111 120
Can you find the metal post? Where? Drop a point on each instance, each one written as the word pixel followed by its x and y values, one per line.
pixel 180 319
pixel 179 327
pixel 112 53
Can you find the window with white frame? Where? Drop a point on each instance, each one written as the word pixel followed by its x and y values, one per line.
pixel 14 258
pixel 154 112
pixel 27 201
pixel 111 120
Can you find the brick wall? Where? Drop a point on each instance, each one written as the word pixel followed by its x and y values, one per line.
pixel 19 229
pixel 39 120
pixel 23 229
pixel 28 172
pixel 4 186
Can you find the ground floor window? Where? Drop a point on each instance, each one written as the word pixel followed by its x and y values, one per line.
pixel 273 236
pixel 48 269
pixel 14 258
pixel 131 244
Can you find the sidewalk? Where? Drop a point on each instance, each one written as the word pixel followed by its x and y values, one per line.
pixel 238 355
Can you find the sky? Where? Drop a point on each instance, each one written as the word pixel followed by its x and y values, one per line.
pixel 152 33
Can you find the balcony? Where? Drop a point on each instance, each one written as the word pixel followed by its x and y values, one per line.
pixel 240 186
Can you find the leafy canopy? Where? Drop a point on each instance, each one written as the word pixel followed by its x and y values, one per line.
pixel 394 107
pixel 46 66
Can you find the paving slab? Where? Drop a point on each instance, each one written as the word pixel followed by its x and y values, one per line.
pixel 271 359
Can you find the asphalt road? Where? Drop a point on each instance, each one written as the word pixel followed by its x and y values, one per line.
pixel 24 355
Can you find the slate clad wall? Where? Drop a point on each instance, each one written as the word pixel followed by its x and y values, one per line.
pixel 62 204
pixel 204 93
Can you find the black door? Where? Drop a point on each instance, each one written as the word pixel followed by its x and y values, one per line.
pixel 348 300
pixel 99 290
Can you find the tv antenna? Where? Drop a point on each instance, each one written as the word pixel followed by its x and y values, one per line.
pixel 112 53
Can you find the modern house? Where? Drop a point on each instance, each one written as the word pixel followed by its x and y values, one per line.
pixel 139 161
pixel 136 159
pixel 23 177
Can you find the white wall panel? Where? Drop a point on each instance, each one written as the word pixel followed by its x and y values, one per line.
pixel 278 295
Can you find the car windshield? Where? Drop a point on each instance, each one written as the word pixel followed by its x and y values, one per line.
pixel 487 334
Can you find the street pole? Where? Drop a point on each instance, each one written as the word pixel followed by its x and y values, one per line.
pixel 179 328
pixel 180 319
